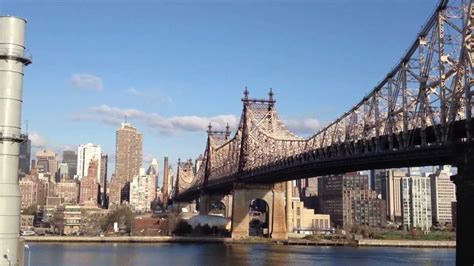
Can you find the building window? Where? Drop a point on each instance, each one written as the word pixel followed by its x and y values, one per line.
pixel 298 211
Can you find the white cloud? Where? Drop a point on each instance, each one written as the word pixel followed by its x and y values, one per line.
pixel 176 124
pixel 87 81
pixel 115 116
pixel 133 91
pixel 190 123
pixel 37 141
pixel 306 126
pixel 147 158
pixel 116 112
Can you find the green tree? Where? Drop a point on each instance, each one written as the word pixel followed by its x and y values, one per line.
pixel 31 210
pixel 123 216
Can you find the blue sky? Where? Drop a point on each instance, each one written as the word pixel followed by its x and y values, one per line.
pixel 173 66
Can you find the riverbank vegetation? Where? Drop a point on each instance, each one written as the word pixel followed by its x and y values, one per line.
pixel 185 229
pixel 415 235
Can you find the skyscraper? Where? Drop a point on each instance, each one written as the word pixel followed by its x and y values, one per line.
pixel 63 171
pixel 307 189
pixel 443 193
pixel 86 153
pixel 25 156
pixel 393 195
pixel 128 152
pixel 104 160
pixel 153 168
pixel 416 202
pixel 70 158
pixel 128 160
pixel 378 181
pixel 114 190
pixel 69 191
pixel 47 162
pixel 349 201
pixel 142 191
pixel 32 192
pixel 166 181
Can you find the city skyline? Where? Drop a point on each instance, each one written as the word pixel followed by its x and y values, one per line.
pixel 298 123
pixel 169 96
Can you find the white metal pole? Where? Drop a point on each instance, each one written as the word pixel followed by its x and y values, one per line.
pixel 29 254
pixel 12 61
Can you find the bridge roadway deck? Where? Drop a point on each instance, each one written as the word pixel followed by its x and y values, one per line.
pixel 303 166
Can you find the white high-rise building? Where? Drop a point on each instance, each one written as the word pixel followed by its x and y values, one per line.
pixel 416 202
pixel 85 153
pixel 443 193
pixel 142 191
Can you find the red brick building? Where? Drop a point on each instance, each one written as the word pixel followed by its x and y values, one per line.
pixel 89 188
pixel 145 226
pixel 32 192
pixel 69 191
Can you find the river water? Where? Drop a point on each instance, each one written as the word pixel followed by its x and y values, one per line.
pixel 105 254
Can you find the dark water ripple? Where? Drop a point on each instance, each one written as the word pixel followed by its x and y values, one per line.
pixel 218 254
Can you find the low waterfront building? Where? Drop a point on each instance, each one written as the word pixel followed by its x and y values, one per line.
pixel 50 208
pixel 26 222
pixel 146 226
pixel 67 219
pixel 307 221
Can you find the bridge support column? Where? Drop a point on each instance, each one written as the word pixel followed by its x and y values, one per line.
pixel 204 204
pixel 228 206
pixel 289 207
pixel 279 212
pixel 464 181
pixel 179 206
pixel 242 197
pixel 207 200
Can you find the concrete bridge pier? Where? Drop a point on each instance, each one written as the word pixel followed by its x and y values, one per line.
pixel 274 196
pixel 464 181
pixel 289 207
pixel 206 201
pixel 178 206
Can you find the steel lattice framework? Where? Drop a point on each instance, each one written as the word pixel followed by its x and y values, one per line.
pixel 419 113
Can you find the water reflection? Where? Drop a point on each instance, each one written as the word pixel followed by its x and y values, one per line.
pixel 219 254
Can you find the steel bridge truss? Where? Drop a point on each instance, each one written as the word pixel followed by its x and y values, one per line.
pixel 424 102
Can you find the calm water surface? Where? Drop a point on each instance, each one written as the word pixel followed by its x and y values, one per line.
pixel 219 254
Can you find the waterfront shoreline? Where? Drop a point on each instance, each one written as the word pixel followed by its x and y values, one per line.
pixel 221 240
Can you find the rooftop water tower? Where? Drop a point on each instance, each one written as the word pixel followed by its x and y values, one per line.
pixel 12 62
